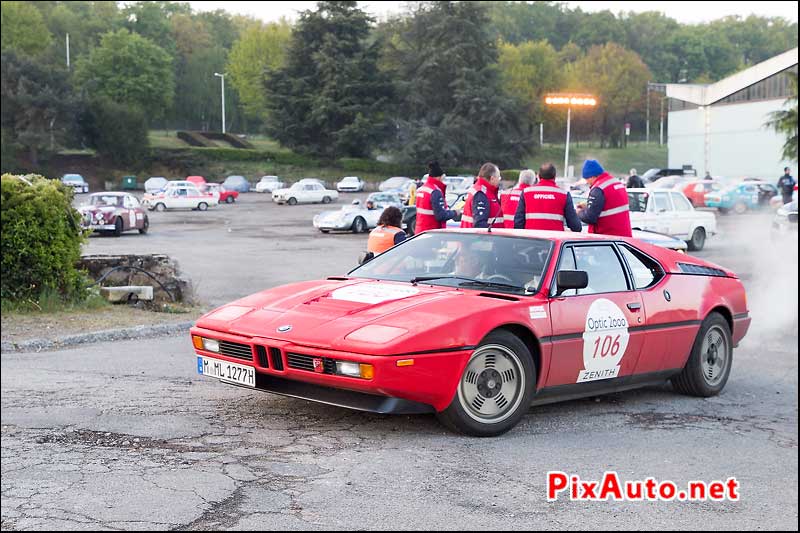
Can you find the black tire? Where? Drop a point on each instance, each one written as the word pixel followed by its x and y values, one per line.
pixel 724 210
pixel 229 200
pixel 119 227
pixel 325 230
pixel 708 367
pixel 326 199
pixel 292 201
pixel 480 389
pixel 161 207
pixel 145 226
pixel 411 227
pixel 698 240
pixel 202 206
pixel 740 208
pixel 359 225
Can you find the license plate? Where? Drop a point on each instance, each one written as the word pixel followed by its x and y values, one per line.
pixel 226 371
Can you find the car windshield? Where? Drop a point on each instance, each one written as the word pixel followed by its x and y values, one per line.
pixel 476 261
pixel 394 183
pixel 637 201
pixel 269 178
pixel 350 179
pixel 73 177
pixel 103 200
pixel 297 187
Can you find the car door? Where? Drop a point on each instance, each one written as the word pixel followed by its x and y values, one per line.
pixel 664 215
pixel 130 213
pixel 684 216
pixel 593 339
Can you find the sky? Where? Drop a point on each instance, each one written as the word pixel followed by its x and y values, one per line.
pixel 686 12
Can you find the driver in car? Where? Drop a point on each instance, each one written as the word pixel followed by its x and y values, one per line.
pixel 472 263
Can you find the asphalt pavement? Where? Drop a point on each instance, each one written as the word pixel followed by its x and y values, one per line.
pixel 126 435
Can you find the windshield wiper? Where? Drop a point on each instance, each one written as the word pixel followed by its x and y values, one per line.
pixel 500 285
pixel 442 276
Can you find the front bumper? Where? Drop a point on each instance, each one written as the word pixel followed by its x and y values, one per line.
pixel 101 227
pixel 427 385
pixel 332 225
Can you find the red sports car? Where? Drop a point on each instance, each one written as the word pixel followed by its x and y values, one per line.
pixel 477 326
pixel 225 195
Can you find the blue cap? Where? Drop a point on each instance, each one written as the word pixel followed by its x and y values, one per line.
pixel 591 168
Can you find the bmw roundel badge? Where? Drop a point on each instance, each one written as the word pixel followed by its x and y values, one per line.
pixel 284 329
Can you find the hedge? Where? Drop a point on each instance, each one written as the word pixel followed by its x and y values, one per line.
pixel 41 240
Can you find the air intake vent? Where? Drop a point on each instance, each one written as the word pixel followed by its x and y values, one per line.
pixel 236 350
pixel 688 268
pixel 498 296
pixel 261 352
pixel 277 360
pixel 306 362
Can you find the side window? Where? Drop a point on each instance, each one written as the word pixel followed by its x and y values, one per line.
pixel 646 271
pixel 661 202
pixel 602 264
pixel 680 202
pixel 567 262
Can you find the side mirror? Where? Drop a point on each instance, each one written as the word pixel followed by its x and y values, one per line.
pixel 365 257
pixel 571 279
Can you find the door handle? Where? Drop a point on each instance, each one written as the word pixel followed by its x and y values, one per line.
pixel 635 306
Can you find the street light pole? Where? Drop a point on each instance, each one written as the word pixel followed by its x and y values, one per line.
pixel 661 124
pixel 222 78
pixel 569 100
pixel 647 135
pixel 566 152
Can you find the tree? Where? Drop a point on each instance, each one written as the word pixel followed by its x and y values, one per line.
pixel 38 106
pixel 446 86
pixel 618 78
pixel 261 47
pixel 129 69
pixel 117 131
pixel 329 98
pixel 84 21
pixel 785 121
pixel 23 28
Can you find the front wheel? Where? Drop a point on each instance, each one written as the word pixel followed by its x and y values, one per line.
pixel 119 226
pixel 698 240
pixel 145 226
pixel 161 207
pixel 359 225
pixel 740 208
pixel 709 364
pixel 292 201
pixel 496 388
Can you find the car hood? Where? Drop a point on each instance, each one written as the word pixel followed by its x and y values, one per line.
pixel 97 209
pixel 356 315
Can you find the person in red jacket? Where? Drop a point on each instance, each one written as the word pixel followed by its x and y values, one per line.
pixel 482 206
pixel 510 200
pixel 546 206
pixel 606 211
pixel 432 211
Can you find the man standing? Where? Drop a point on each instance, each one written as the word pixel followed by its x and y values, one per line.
pixel 786 185
pixel 607 209
pixel 482 206
pixel 432 212
pixel 546 205
pixel 510 200
pixel 634 181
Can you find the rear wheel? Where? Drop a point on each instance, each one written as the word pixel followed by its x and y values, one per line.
pixel 495 390
pixel 119 226
pixel 698 240
pixel 202 206
pixel 359 225
pixel 145 225
pixel 724 210
pixel 229 200
pixel 292 201
pixel 740 208
pixel 326 199
pixel 709 365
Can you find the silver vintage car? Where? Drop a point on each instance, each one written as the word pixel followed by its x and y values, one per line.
pixel 357 217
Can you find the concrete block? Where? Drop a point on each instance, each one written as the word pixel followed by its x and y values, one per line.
pixel 125 293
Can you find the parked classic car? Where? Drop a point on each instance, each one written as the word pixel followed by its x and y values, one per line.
pixel 113 212
pixel 304 192
pixel 269 184
pixel 180 196
pixel 357 217
pixel 350 184
pixel 741 197
pixel 199 181
pixel 696 190
pixel 458 184
pixel 222 194
pixel 75 181
pixel 785 221
pixel 671 213
pixel 155 184
pixel 510 319
pixel 237 183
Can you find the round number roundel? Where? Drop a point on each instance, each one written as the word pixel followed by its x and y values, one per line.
pixel 605 339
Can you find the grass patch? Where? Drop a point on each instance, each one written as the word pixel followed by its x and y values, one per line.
pixel 165 139
pixel 52 302
pixel 617 161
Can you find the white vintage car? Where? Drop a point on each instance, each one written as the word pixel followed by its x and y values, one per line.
pixel 357 217
pixel 305 192
pixel 671 213
pixel 181 196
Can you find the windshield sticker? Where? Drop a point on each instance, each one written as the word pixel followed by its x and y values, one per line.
pixel 605 339
pixel 537 311
pixel 373 293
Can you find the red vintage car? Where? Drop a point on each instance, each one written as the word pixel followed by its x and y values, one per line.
pixel 696 190
pixel 114 212
pixel 225 195
pixel 477 326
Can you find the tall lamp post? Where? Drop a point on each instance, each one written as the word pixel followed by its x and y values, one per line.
pixel 570 100
pixel 222 78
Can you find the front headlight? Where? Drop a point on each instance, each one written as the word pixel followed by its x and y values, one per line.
pixel 201 343
pixel 355 370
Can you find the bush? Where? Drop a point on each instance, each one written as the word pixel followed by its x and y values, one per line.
pixel 41 240
pixel 117 131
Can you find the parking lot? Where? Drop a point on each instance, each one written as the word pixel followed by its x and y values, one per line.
pixel 127 436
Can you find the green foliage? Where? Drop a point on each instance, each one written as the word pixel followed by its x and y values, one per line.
pixel 84 21
pixel 330 99
pixel 23 29
pixel 129 69
pixel 785 121
pixel 116 131
pixel 38 105
pixel 261 47
pixel 41 240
